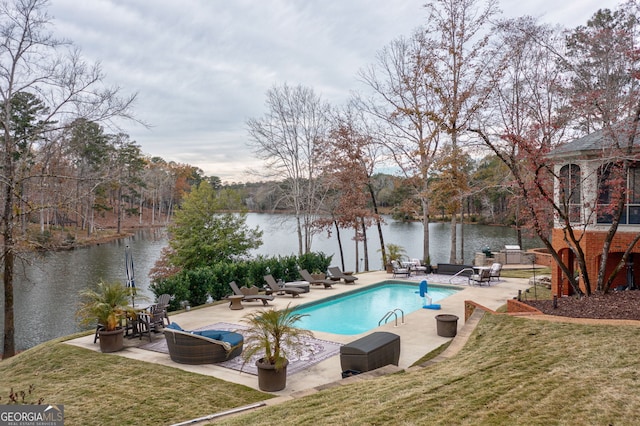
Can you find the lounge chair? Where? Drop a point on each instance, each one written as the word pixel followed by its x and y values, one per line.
pixel 273 287
pixel 202 347
pixel 264 298
pixel 496 268
pixel 327 282
pixel 399 270
pixel 336 274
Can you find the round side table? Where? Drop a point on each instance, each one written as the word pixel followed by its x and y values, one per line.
pixel 236 302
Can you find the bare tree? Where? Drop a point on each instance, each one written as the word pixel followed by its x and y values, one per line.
pixel 349 158
pixel 286 138
pixel 401 102
pixel 600 64
pixel 33 61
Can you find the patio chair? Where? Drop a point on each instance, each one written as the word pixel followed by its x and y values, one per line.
pixel 274 287
pixel 496 268
pixel 264 298
pixel 399 270
pixel 327 282
pixel 336 274
pixel 163 303
pixel 418 266
pixel 482 276
pixel 156 316
pixel 144 323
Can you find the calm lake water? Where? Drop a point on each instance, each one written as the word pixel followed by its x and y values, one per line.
pixel 46 288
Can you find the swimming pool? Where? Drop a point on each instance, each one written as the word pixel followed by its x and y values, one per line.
pixel 361 310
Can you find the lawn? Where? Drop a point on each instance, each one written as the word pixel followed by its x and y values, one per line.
pixel 512 371
pixel 106 389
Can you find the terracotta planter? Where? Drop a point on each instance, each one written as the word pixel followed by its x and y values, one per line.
pixel 111 341
pixel 318 277
pixel 270 380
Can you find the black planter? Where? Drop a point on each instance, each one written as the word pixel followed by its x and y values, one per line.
pixel 270 379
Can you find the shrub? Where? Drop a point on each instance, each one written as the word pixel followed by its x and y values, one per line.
pixel 198 284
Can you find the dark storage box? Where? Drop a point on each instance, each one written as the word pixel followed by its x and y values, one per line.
pixel 370 352
pixel 349 373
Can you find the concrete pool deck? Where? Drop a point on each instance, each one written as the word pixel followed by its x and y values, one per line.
pixel 418 334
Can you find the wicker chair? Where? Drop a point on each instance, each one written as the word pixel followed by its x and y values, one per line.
pixel 185 347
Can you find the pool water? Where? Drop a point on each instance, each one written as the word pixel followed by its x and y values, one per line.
pixel 360 311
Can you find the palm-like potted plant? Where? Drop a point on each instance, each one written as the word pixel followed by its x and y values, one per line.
pixel 394 252
pixel 273 334
pixel 108 305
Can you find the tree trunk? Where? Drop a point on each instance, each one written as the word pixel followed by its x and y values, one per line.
pixel 461 234
pixel 379 225
pixel 453 251
pixel 339 244
pixel 8 348
pixel 365 247
pixel 425 230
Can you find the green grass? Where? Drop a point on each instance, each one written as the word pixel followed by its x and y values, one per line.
pixel 106 389
pixel 512 371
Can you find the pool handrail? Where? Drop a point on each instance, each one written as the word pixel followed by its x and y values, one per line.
pixel 388 315
pixel 461 271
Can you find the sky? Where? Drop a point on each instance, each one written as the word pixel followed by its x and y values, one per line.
pixel 201 68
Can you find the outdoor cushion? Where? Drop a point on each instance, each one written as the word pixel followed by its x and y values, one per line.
pixel 230 337
pixel 174 326
pixel 211 334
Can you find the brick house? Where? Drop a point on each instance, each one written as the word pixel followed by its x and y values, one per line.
pixel 584 165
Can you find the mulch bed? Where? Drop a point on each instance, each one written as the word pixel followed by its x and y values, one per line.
pixel 613 305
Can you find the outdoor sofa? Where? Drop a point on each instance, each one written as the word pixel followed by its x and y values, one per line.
pixel 202 347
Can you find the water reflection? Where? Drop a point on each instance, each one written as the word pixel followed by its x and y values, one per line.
pixel 47 285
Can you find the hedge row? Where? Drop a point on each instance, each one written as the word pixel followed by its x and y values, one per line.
pixel 197 285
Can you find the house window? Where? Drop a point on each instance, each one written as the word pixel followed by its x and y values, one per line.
pixel 571 191
pixel 611 185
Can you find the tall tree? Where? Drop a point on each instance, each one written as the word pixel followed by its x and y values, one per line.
pixel 349 157
pixel 401 102
pixel 205 231
pixel 464 72
pixel 286 138
pixel 601 66
pixel 33 61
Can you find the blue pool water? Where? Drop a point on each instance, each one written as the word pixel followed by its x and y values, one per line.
pixel 360 311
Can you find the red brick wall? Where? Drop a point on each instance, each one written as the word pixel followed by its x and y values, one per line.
pixel 592 243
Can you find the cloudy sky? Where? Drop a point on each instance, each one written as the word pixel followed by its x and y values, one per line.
pixel 201 68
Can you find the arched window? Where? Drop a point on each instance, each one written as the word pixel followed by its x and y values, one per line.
pixel 611 185
pixel 571 191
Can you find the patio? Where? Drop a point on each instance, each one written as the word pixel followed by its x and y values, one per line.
pixel 418 335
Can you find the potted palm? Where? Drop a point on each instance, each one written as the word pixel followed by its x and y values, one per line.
pixel 272 334
pixel 106 304
pixel 394 252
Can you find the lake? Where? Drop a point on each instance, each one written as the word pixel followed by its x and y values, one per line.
pixel 46 289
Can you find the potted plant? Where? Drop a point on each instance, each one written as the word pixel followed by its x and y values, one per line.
pixel 394 252
pixel 318 275
pixel 108 305
pixel 272 334
pixel 427 263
